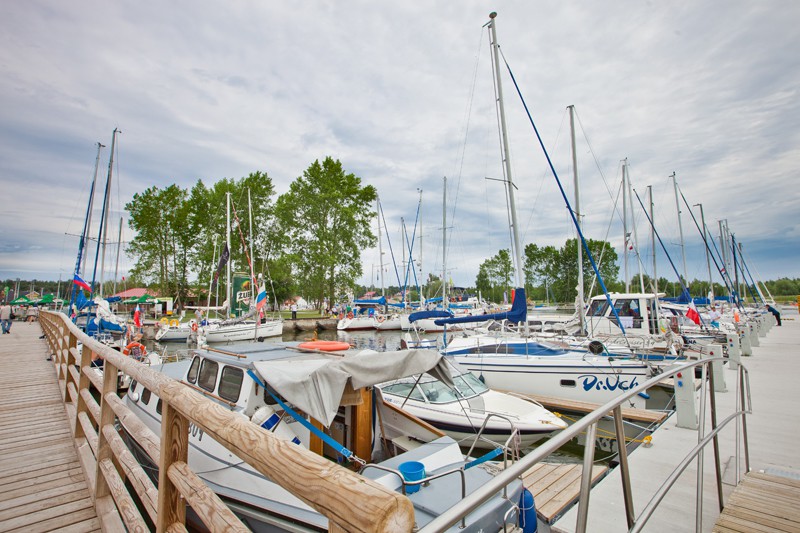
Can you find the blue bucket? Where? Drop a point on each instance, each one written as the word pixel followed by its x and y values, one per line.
pixel 412 471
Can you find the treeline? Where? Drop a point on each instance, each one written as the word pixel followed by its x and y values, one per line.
pixel 307 241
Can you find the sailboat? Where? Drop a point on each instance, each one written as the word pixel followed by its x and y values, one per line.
pixel 242 328
pixel 511 359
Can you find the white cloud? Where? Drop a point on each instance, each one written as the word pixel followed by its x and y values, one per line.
pixel 210 91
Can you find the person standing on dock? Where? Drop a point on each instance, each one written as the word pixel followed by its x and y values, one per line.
pixel 5 318
pixel 775 312
pixel 294 310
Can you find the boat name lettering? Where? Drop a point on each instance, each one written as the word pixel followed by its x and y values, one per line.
pixel 591 382
pixel 195 431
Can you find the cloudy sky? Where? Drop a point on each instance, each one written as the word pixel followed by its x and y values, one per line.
pixel 401 93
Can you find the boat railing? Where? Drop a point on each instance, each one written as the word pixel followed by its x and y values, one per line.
pixel 588 425
pixel 512 442
pixel 125 497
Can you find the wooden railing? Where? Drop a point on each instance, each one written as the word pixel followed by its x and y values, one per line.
pixel 349 501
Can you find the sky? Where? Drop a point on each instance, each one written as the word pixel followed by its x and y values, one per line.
pixel 402 94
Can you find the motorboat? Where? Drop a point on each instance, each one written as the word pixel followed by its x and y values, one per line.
pixel 291 390
pixel 470 408
pixel 242 330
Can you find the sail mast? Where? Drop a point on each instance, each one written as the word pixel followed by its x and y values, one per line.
pixel 444 242
pixel 708 258
pixel 579 302
pixel 505 153
pixel 228 294
pixel 680 229
pixel 106 208
pixel 625 235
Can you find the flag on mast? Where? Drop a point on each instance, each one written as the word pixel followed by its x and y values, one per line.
pixel 223 258
pixel 261 299
pixel 80 283
pixel 692 313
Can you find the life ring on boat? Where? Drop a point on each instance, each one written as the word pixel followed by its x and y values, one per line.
pixel 165 320
pixel 266 417
pixel 194 326
pixel 325 346
pixel 136 350
pixel 341 316
pixel 174 323
pixel 380 318
pixel 350 315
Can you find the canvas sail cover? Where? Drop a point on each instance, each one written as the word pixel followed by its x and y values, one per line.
pixel 517 313
pixel 315 383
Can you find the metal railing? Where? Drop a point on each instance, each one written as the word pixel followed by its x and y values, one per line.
pixel 589 423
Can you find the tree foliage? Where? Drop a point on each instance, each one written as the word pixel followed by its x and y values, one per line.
pixel 495 275
pixel 324 223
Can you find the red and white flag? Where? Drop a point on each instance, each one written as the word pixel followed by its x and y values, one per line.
pixel 137 317
pixel 692 313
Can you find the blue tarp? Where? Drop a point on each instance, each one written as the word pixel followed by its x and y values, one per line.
pixel 419 315
pixel 374 301
pixel 517 313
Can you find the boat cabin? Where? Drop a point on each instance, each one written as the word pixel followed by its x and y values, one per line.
pixel 637 314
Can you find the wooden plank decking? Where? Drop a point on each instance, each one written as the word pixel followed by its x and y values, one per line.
pixel 577 406
pixel 555 487
pixel 42 486
pixel 762 503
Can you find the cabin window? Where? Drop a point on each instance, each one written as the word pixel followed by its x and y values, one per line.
pixel 191 377
pixel 145 396
pixel 133 385
pixel 468 385
pixel 158 406
pixel 269 399
pixel 230 383
pixel 598 308
pixel 437 392
pixel 567 382
pixel 628 308
pixel 403 389
pixel 208 375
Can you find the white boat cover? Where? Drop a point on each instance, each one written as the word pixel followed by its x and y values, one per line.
pixel 315 383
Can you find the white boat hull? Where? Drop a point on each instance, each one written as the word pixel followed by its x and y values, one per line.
pixel 243 332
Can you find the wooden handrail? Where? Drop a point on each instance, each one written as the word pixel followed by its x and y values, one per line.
pixel 327 487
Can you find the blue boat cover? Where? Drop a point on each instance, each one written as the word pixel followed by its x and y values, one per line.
pixel 374 301
pixel 517 313
pixel 419 315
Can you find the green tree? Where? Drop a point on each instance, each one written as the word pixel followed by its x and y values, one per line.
pixel 494 275
pixel 324 219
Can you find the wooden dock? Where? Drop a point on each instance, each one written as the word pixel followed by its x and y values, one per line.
pixel 555 487
pixel 42 486
pixel 762 502
pixel 576 406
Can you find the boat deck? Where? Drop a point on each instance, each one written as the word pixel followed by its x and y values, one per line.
pixel 42 486
pixel 773 433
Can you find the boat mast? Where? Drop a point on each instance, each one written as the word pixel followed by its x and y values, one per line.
pixel 625 235
pixel 504 146
pixel 106 207
pixel 380 246
pixel 708 258
pixel 119 245
pixel 228 294
pixel 444 242
pixel 653 241
pixel 579 302
pixel 680 229
pixel 635 233
pixel 91 201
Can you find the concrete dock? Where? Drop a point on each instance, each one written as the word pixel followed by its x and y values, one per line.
pixel 774 438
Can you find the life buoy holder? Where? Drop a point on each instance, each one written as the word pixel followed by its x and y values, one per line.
pixel 194 326
pixel 174 323
pixel 324 346
pixel 135 349
pixel 350 315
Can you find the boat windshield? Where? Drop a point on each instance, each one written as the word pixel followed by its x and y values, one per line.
pixel 434 391
pixel 598 308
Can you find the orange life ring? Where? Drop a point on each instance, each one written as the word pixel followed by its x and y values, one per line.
pixel 130 348
pixel 325 346
pixel 380 318
pixel 350 315
pixel 194 326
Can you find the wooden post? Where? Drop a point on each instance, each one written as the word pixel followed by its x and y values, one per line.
pixel 83 384
pixel 361 426
pixel 174 448
pixel 72 345
pixel 104 450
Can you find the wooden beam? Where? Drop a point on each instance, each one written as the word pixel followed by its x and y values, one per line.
pixel 215 515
